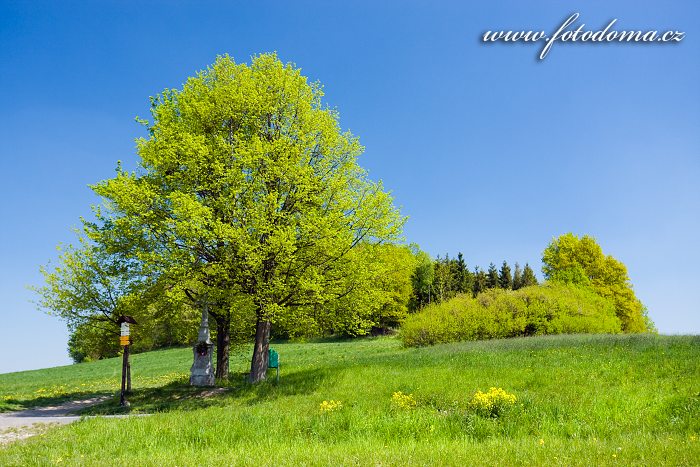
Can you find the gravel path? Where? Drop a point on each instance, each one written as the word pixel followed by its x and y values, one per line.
pixel 54 414
pixel 25 423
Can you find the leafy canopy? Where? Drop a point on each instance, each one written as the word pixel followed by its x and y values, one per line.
pixel 581 261
pixel 248 186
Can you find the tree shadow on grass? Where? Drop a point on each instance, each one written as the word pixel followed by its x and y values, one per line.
pixel 14 404
pixel 290 384
pixel 179 395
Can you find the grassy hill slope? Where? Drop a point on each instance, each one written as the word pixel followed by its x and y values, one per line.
pixel 580 400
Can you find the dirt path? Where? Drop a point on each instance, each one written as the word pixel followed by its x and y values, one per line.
pixel 25 423
pixel 53 414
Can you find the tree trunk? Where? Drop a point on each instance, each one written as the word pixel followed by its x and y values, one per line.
pixel 258 365
pixel 223 346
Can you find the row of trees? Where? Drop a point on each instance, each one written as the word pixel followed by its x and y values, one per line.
pixel 444 278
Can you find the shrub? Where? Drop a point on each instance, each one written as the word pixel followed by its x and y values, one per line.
pixel 542 309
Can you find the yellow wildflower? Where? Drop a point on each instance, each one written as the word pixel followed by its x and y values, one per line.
pixel 493 402
pixel 403 401
pixel 330 406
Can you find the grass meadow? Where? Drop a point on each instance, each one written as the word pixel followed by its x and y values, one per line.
pixel 580 400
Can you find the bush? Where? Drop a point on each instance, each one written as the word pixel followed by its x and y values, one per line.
pixel 542 309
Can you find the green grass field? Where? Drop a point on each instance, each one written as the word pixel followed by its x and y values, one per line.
pixel 581 400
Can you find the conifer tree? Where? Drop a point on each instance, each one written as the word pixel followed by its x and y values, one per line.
pixel 505 279
pixel 528 277
pixel 480 281
pixel 459 270
pixel 492 277
pixel 517 277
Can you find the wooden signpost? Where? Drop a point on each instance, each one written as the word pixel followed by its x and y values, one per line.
pixel 124 322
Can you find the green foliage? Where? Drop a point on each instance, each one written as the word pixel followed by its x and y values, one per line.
pixel 492 277
pixel 443 283
pixel 505 278
pixel 91 284
pixel 529 277
pixel 480 281
pixel 580 400
pixel 94 283
pixel 249 192
pixel 517 277
pixel 497 313
pixel 89 342
pixel 422 279
pixel 573 260
pixel 381 302
pixel 464 279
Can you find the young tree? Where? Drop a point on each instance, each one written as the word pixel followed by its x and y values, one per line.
pixel 464 280
pixel 505 279
pixel 91 287
pixel 492 277
pixel 443 278
pixel 93 284
pixel 529 277
pixel 571 259
pixel 517 277
pixel 480 281
pixel 422 279
pixel 249 188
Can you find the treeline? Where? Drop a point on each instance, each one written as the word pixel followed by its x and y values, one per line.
pixel 585 291
pixel 405 279
pixel 438 280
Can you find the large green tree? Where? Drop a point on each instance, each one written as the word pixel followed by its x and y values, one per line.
pixel 249 188
pixel 580 260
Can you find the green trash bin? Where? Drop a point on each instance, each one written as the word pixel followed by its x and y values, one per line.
pixel 273 361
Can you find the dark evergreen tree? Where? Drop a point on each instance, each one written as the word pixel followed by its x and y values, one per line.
pixel 479 281
pixel 460 271
pixel 492 277
pixel 422 280
pixel 505 279
pixel 464 279
pixel 517 277
pixel 529 276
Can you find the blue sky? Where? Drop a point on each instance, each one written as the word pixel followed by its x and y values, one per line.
pixel 488 150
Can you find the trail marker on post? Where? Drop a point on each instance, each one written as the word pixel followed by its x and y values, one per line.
pixel 124 322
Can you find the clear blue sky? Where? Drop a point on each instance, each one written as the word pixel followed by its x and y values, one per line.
pixel 488 150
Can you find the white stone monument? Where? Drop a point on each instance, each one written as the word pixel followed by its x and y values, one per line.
pixel 202 371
